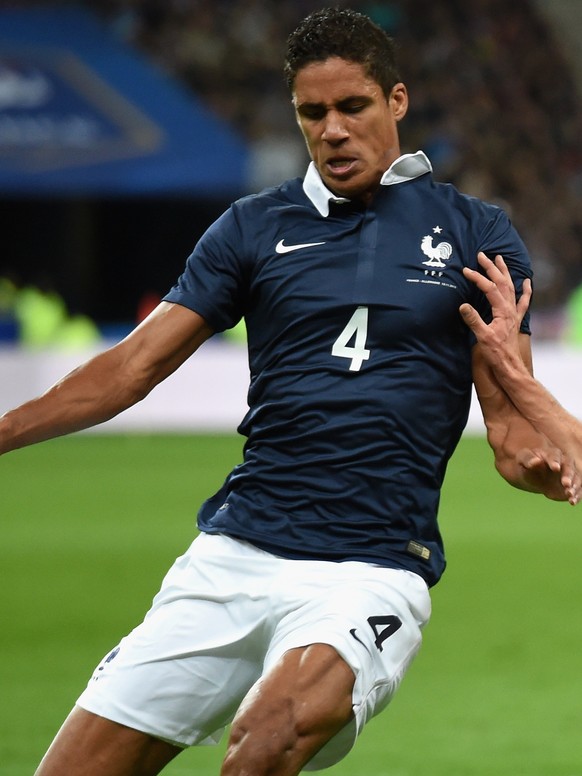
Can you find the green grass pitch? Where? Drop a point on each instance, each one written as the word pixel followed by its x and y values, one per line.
pixel 90 524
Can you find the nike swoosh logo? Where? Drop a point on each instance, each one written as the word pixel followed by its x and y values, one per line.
pixel 282 248
pixel 357 638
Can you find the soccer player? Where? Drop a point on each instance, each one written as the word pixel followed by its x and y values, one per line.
pixel 297 611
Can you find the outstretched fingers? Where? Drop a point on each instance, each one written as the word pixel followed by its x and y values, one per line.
pixel 497 285
pixel 495 282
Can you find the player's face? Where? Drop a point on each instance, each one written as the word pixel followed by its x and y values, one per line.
pixel 349 124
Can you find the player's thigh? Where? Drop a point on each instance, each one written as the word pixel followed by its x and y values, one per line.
pixel 373 618
pixel 309 688
pixel 89 745
pixel 291 712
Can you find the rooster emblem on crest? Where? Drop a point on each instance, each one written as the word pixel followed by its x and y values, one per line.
pixel 437 254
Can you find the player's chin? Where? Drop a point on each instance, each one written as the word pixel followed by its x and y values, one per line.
pixel 354 186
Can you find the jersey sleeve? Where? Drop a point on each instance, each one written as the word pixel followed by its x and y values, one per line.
pixel 500 237
pixel 213 283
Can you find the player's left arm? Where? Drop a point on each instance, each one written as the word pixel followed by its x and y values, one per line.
pixel 524 454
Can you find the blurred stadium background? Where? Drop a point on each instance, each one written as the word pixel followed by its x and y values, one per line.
pixel 126 127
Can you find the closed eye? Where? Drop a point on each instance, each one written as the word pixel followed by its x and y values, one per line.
pixel 312 112
pixel 318 111
pixel 353 108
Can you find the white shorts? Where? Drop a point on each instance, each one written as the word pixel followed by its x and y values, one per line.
pixel 228 611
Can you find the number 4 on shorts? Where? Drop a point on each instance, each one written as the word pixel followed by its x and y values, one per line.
pixel 357 330
pixel 384 627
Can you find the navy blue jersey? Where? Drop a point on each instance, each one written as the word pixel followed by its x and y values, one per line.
pixel 360 364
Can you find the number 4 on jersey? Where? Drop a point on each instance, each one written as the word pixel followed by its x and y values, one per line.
pixel 356 330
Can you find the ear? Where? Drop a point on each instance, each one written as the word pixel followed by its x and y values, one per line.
pixel 398 101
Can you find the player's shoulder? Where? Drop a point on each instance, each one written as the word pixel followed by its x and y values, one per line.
pixel 252 221
pixel 248 214
pixel 287 193
pixel 466 203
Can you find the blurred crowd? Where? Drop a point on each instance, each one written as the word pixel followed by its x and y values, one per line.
pixel 494 102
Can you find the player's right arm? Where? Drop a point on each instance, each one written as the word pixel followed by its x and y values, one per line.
pixel 110 382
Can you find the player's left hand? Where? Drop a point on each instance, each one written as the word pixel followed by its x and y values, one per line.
pixel 551 472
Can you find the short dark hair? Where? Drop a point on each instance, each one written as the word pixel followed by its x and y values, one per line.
pixel 337 32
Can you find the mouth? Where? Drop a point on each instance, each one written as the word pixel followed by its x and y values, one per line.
pixel 340 166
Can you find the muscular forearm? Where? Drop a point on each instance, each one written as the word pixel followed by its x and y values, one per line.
pixel 91 394
pixel 109 383
pixel 524 455
pixel 526 458
pixel 535 403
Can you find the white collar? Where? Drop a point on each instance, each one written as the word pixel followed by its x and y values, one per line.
pixel 405 168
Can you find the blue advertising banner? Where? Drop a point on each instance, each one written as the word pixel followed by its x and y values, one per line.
pixel 82 114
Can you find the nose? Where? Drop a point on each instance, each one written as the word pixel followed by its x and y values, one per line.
pixel 334 130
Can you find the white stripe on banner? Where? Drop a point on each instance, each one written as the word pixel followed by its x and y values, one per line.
pixel 208 393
